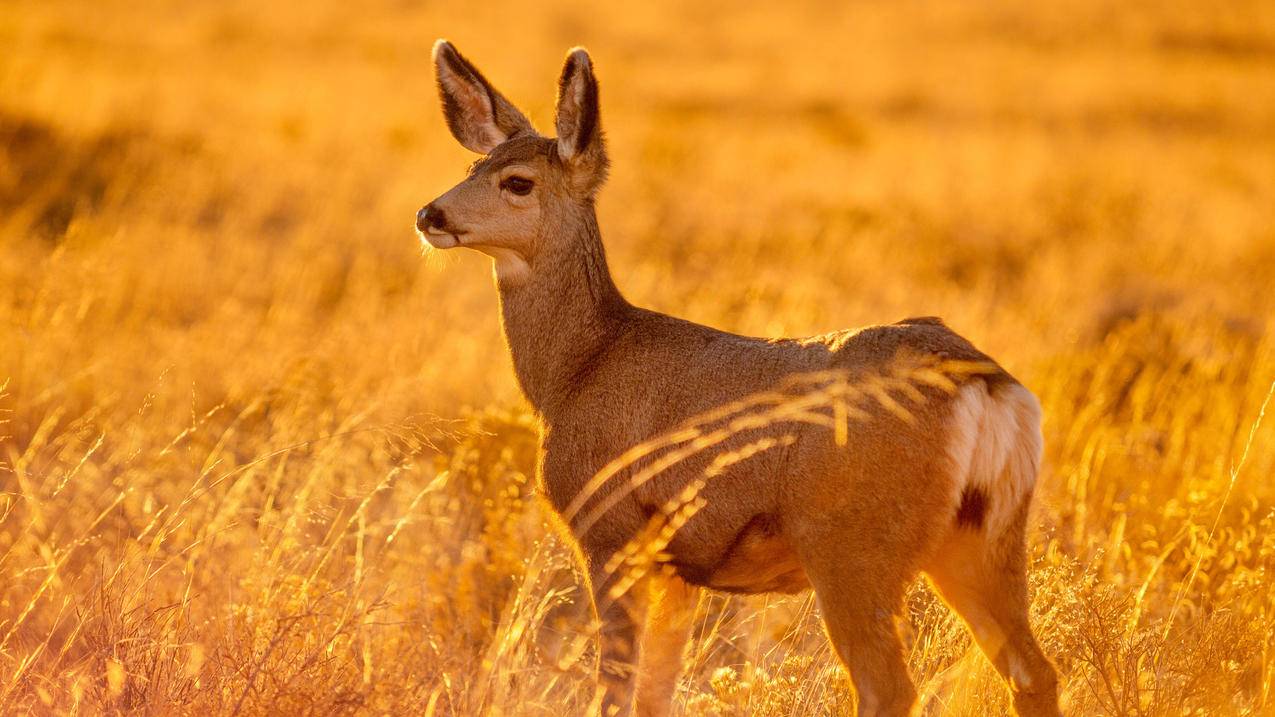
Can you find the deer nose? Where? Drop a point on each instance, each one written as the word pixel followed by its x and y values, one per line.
pixel 430 216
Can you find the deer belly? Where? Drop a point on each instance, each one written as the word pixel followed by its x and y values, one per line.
pixel 758 560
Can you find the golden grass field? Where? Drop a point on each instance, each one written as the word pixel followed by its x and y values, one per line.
pixel 261 455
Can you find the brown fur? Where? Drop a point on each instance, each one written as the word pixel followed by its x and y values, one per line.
pixel 856 522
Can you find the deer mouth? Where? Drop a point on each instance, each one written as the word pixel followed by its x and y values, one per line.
pixel 441 238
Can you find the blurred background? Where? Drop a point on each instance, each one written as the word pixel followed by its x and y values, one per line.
pixel 259 451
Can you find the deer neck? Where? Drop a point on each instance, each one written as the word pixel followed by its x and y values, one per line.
pixel 561 315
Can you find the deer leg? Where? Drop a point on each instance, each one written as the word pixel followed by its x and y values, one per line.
pixel 620 618
pixel 985 581
pixel 669 619
pixel 860 596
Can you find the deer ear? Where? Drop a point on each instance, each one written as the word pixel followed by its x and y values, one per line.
pixel 479 117
pixel 580 142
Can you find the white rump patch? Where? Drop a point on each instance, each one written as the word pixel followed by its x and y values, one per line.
pixel 994 446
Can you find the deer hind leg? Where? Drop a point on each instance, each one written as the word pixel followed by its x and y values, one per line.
pixel 669 618
pixel 985 581
pixel 861 599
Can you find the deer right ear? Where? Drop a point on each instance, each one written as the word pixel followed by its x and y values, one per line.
pixel 479 117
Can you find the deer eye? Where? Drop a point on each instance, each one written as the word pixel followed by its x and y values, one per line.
pixel 518 185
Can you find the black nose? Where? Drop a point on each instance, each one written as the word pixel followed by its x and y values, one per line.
pixel 430 216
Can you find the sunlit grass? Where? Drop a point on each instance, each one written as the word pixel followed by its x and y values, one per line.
pixel 257 455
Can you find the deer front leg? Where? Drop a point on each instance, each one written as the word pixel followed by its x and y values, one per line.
pixel 620 619
pixel 669 618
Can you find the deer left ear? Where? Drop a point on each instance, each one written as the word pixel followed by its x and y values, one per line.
pixel 580 142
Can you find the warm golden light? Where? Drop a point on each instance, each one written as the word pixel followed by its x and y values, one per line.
pixel 258 455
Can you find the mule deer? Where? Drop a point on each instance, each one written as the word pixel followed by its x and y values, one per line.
pixel 945 492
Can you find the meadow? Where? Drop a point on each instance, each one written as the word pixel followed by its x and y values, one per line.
pixel 262 454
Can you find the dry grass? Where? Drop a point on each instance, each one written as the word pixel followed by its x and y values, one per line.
pixel 241 471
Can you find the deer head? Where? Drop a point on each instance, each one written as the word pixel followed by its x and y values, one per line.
pixel 520 200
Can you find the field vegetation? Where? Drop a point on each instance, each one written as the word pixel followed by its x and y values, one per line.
pixel 261 454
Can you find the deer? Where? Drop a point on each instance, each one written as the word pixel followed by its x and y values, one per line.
pixel 946 493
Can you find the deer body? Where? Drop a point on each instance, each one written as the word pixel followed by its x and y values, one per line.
pixel 945 491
